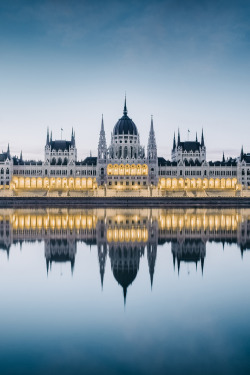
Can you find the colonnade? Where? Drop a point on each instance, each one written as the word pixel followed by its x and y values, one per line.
pixel 206 221
pixel 52 221
pixel 74 183
pixel 202 220
pixel 127 235
pixel 127 170
pixel 212 183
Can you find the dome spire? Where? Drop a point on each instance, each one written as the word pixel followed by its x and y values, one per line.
pixel 125 111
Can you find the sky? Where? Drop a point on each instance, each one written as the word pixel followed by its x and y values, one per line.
pixel 64 63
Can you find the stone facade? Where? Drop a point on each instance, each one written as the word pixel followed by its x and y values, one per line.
pixel 124 167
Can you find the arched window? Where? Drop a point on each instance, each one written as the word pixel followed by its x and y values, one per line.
pixel 65 161
pixel 120 152
pixel 2 171
pixel 53 161
pixel 125 152
pixel 7 171
pixel 59 162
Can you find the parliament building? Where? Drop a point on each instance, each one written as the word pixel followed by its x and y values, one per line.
pixel 124 168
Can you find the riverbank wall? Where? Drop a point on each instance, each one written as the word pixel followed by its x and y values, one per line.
pixel 130 202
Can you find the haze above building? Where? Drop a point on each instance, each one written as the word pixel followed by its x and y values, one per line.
pixel 65 63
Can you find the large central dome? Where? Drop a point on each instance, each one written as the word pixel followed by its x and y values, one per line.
pixel 125 125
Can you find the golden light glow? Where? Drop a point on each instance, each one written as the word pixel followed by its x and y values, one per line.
pixel 52 183
pixel 127 235
pixel 53 221
pixel 197 184
pixel 199 221
pixel 127 170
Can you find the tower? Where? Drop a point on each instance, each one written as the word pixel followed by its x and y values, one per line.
pixel 152 156
pixel 73 138
pixel 202 139
pixel 47 138
pixel 174 143
pixel 102 156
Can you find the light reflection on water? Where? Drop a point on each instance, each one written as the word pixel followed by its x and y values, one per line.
pixel 124 291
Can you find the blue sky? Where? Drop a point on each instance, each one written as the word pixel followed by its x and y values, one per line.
pixel 64 63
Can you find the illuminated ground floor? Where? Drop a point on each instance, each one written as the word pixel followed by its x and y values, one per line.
pixel 87 186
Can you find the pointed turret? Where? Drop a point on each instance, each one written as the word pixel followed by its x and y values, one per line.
pixel 73 140
pixel 102 125
pixel 196 138
pixel 124 295
pixel 223 158
pixel 152 148
pixel 21 156
pixel 179 138
pixel 241 154
pixel 102 255
pixel 202 139
pixel 125 111
pixel 51 136
pixel 102 145
pixel 151 255
pixel 47 138
pixel 174 143
pixel 72 266
pixel 8 151
pixel 202 265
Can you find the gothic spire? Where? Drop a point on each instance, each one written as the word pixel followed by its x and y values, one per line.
pixel 47 138
pixel 8 151
pixel 174 143
pixel 73 140
pixel 125 111
pixel 124 295
pixel 179 138
pixel 151 255
pixel 51 136
pixel 202 265
pixel 102 125
pixel 196 139
pixel 241 154
pixel 72 264
pixel 223 158
pixel 21 155
pixel 102 146
pixel 102 254
pixel 152 148
pixel 152 125
pixel 202 139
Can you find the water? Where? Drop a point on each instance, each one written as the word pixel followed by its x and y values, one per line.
pixel 125 291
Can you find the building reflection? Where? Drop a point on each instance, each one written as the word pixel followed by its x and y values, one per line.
pixel 125 235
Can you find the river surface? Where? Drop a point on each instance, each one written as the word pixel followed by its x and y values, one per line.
pixel 116 291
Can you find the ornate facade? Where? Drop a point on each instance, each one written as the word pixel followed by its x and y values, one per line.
pixel 124 167
pixel 122 237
